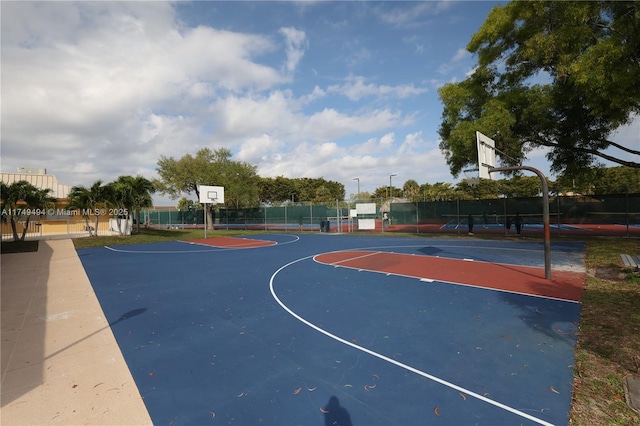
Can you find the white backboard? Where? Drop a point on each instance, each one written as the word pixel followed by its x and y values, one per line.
pixel 211 194
pixel 364 224
pixel 486 155
pixel 366 208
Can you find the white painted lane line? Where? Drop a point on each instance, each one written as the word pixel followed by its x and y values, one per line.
pixel 393 361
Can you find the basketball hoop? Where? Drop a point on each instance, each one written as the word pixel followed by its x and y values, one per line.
pixel 210 195
pixel 471 176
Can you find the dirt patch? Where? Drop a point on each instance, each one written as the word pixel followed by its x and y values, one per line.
pixel 609 273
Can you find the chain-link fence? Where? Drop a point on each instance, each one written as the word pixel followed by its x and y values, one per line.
pixel 293 216
pixel 599 214
pixel 571 215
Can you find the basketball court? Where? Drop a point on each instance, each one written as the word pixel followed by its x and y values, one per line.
pixel 290 329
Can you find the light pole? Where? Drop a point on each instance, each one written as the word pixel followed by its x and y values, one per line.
pixel 391 193
pixel 358 179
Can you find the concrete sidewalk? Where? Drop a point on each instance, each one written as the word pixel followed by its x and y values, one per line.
pixel 60 361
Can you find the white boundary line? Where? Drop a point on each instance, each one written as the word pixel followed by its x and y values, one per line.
pixel 239 245
pixel 393 361
pixel 427 279
pixel 215 249
pixel 573 268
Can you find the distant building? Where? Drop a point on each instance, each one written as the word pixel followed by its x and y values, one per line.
pixel 40 179
pixel 58 220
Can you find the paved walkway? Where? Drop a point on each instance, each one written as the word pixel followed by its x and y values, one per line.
pixel 60 361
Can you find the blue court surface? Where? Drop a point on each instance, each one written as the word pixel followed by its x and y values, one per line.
pixel 267 335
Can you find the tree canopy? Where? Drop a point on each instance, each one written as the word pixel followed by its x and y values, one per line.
pixel 208 167
pixel 562 75
pixel 280 189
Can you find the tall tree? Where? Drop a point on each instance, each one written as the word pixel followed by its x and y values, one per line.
pixel 438 191
pixel 411 190
pixel 616 180
pixel 208 167
pixel 563 75
pixel 281 189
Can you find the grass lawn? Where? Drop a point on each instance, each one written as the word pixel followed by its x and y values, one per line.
pixel 608 347
pixel 609 339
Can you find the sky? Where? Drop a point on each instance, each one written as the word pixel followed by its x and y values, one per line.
pixel 345 91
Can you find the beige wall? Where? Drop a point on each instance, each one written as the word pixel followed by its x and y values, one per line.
pixel 72 223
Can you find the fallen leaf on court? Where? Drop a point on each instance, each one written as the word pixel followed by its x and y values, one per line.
pixel 322 410
pixel 297 391
pixel 151 373
pixel 464 398
pixel 311 389
pixel 348 385
pixel 368 387
pixel 551 388
pixel 437 411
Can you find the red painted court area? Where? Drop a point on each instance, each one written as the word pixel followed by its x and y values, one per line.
pixel 566 285
pixel 233 242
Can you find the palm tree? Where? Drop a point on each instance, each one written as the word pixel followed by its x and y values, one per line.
pixel 39 201
pixel 143 188
pixel 89 200
pixel 130 194
pixel 21 198
pixel 411 190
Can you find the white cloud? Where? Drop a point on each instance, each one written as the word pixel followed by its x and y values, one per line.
pixel 256 149
pixel 239 118
pixel 355 88
pixel 460 58
pixel 120 80
pixel 417 159
pixel 460 55
pixel 295 42
pixel 412 16
pixel 316 94
pixel 387 140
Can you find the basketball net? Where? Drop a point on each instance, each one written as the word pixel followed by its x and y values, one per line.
pixel 471 176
